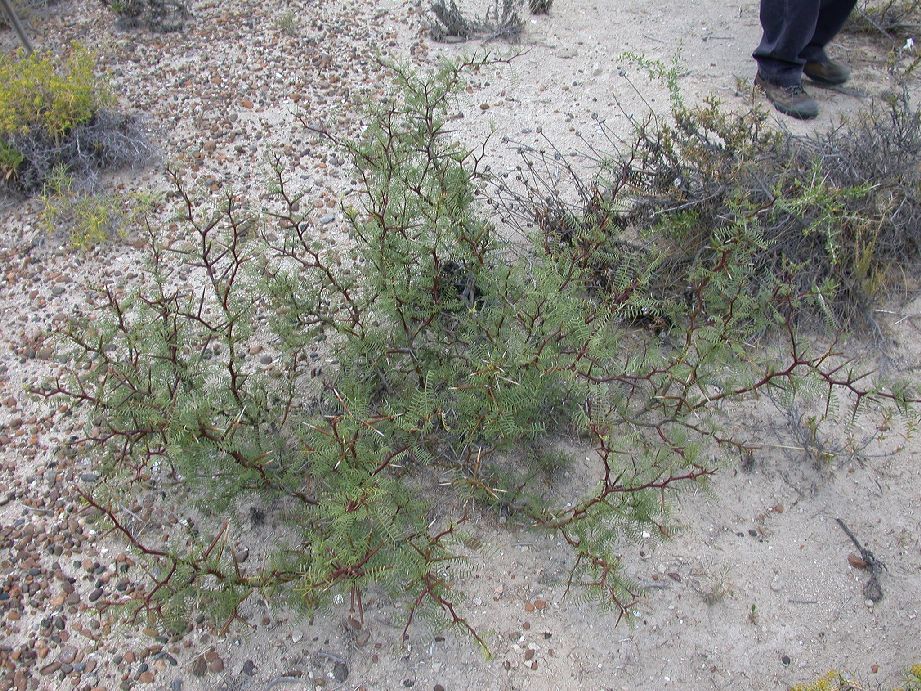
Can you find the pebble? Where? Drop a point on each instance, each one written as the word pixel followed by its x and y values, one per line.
pixel 199 666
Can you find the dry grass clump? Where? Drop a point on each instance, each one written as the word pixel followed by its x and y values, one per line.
pixel 163 16
pixel 837 213
pixel 890 18
pixel 502 20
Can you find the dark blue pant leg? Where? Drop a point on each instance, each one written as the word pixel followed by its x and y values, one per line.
pixel 797 31
pixel 832 17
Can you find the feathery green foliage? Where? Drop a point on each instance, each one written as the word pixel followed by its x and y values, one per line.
pixel 403 383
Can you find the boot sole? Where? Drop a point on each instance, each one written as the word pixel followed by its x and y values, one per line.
pixel 827 82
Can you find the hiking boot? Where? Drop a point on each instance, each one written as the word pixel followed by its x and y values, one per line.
pixel 829 72
pixel 789 100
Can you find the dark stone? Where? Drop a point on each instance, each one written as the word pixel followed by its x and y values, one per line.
pixel 249 668
pixel 199 666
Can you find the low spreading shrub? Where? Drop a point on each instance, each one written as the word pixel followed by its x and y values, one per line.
pixel 164 16
pixel 415 378
pixel 502 20
pixel 837 213
pixel 834 680
pixel 41 92
pixel 23 8
pixel 88 218
pixel 892 19
pixel 54 111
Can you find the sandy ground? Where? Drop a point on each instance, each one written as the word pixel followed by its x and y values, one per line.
pixel 756 592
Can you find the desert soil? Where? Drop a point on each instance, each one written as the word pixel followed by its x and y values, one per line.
pixel 755 592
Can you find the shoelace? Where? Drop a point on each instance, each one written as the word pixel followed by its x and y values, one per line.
pixel 795 90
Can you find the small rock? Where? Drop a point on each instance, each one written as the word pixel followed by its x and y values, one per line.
pixel 785 659
pixel 146 678
pixel 199 666
pixel 249 668
pixel 341 672
pixel 856 561
pixel 216 665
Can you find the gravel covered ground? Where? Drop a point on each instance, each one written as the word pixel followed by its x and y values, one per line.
pixel 757 592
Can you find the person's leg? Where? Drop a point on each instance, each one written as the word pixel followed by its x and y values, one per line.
pixel 789 26
pixel 832 16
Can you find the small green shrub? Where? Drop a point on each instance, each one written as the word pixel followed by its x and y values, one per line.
pixel 10 160
pixel 288 23
pixel 830 681
pixel 834 680
pixel 913 678
pixel 163 16
pixel 838 212
pixel 88 218
pixel 412 380
pixel 502 20
pixel 54 111
pixel 45 94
